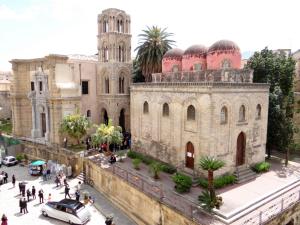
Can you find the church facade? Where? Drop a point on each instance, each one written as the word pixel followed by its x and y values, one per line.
pixel 201 104
pixel 46 89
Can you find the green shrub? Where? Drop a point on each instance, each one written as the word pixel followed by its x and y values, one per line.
pixel 168 168
pixel 136 163
pixel 183 183
pixel 205 201
pixel 155 168
pixel 261 167
pixel 19 157
pixel 219 182
pixel 132 154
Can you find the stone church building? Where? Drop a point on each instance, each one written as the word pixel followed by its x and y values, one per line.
pixel 201 104
pixel 45 89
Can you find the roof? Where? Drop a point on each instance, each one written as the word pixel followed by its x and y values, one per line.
pixel 196 50
pixel 224 45
pixel 70 203
pixel 173 53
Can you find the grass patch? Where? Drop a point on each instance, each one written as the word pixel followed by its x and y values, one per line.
pixel 219 182
pixel 6 126
pixel 148 160
pixel 183 183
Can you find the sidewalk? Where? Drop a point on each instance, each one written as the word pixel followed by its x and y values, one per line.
pixel 106 207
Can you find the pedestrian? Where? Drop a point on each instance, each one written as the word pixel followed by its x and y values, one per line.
pixel 65 142
pixel 49 197
pixel 48 174
pixel 4 220
pixel 21 205
pixel 20 188
pixel 28 194
pixel 13 180
pixel 67 191
pixel 41 196
pixel 25 205
pixel 78 186
pixel 65 182
pixel 57 181
pixel 33 192
pixel 44 175
pixel 5 177
pixel 77 195
pixel 23 191
pixel 109 220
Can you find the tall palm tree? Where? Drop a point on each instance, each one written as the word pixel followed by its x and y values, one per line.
pixel 211 164
pixel 153 44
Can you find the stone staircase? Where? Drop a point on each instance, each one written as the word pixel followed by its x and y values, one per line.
pixel 244 174
pixel 81 177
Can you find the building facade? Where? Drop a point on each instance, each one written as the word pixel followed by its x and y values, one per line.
pixel 46 89
pixel 201 104
pixel 5 107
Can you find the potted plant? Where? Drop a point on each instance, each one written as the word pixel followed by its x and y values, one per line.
pixel 136 163
pixel 155 168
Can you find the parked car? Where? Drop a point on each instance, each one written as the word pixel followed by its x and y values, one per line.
pixel 9 161
pixel 67 210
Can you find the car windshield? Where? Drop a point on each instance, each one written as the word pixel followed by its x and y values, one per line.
pixel 79 207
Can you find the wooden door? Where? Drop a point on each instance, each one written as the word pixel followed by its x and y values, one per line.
pixel 240 149
pixel 189 156
pixel 43 122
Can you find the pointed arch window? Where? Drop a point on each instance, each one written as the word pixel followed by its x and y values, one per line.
pixel 105 54
pixel 88 113
pixel 146 108
pixel 191 113
pixel 165 110
pixel 121 85
pixel 242 113
pixel 106 85
pixel 224 115
pixel 258 112
pixel 105 26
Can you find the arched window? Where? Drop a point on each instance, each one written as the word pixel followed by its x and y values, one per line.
pixel 197 67
pixel 165 109
pixel 146 108
pixel 88 113
pixel 105 26
pixel 224 115
pixel 258 112
pixel 105 54
pixel 121 85
pixel 191 113
pixel 242 113
pixel 106 85
pixel 120 26
pixel 226 64
pixel 175 68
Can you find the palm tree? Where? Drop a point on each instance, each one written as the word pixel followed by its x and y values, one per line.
pixel 211 164
pixel 107 134
pixel 153 44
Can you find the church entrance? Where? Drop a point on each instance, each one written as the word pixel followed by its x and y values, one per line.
pixel 43 124
pixel 240 149
pixel 189 156
pixel 104 116
pixel 122 120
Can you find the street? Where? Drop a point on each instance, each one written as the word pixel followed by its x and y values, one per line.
pixel 9 199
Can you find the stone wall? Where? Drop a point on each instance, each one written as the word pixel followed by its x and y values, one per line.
pixel 55 153
pixel 5 111
pixel 166 137
pixel 138 206
pixel 293 214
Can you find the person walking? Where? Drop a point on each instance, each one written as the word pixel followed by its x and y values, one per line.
pixel 77 195
pixel 25 205
pixel 49 197
pixel 21 205
pixel 20 188
pixel 13 180
pixel 5 177
pixel 4 220
pixel 78 186
pixel 28 193
pixel 41 196
pixel 67 191
pixel 33 192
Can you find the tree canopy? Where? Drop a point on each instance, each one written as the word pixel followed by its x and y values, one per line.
pixel 154 42
pixel 75 126
pixel 277 70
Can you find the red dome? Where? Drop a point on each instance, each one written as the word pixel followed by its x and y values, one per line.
pixel 196 50
pixel 224 45
pixel 173 53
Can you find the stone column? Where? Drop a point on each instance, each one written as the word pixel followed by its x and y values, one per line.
pixel 47 134
pixel 34 130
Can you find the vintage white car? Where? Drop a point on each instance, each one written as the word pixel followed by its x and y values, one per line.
pixel 67 210
pixel 9 161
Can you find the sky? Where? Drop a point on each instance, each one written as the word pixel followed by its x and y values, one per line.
pixel 35 28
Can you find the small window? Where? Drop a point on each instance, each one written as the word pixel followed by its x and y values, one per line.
pixel 32 85
pixel 88 113
pixel 224 115
pixel 175 68
pixel 85 87
pixel 165 110
pixel 146 108
pixel 242 113
pixel 121 85
pixel 191 113
pixel 106 85
pixel 226 64
pixel 258 112
pixel 41 85
pixel 197 67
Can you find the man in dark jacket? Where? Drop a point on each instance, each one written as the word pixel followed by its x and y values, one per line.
pixel 67 190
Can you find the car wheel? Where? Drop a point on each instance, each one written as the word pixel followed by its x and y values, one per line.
pixel 44 214
pixel 70 222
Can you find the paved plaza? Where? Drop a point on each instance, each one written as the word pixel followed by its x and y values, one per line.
pixel 9 200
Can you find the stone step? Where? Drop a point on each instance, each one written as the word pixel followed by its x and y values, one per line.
pixel 244 174
pixel 246 179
